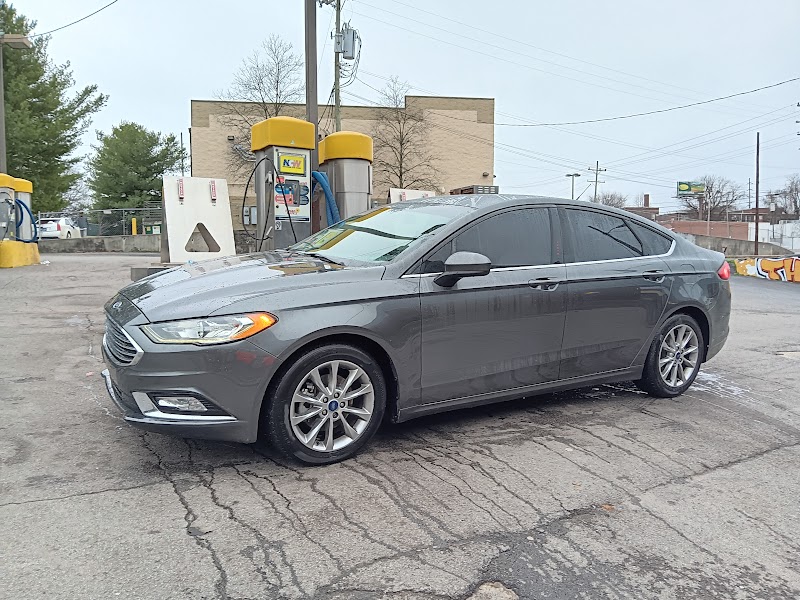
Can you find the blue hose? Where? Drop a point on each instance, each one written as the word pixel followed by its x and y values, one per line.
pixel 25 207
pixel 331 210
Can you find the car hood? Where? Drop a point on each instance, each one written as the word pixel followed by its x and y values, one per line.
pixel 202 288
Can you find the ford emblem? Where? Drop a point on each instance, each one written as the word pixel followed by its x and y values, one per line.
pixel 117 305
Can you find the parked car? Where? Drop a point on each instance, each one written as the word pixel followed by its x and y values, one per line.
pixel 414 308
pixel 58 227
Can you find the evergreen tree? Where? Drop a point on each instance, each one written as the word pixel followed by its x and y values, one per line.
pixel 44 117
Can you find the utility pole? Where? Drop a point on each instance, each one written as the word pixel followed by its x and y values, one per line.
pixel 758 151
pixel 596 170
pixel 312 109
pixel 337 99
pixel 12 40
pixel 572 176
pixel 749 203
pixel 3 164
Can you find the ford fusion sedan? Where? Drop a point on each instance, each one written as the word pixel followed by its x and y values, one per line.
pixel 413 308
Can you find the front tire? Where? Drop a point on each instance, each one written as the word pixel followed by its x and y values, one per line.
pixel 674 358
pixel 327 405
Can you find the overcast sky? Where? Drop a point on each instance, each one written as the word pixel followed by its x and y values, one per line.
pixel 542 62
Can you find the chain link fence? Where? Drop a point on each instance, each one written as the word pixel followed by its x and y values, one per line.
pixel 112 221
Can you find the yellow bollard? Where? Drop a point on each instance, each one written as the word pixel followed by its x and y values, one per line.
pixel 133 226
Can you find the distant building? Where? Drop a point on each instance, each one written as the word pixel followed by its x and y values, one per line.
pixel 460 138
pixel 646 211
pixel 765 215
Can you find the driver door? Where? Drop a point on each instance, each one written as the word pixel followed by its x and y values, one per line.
pixel 501 331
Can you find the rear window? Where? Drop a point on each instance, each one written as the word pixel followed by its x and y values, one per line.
pixel 654 243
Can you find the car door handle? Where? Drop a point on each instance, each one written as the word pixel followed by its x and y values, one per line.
pixel 547 284
pixel 654 275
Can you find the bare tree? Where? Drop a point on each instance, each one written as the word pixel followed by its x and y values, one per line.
pixel 78 197
pixel 789 197
pixel 402 158
pixel 614 199
pixel 264 86
pixel 722 196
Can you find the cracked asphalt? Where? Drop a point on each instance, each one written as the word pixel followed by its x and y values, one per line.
pixel 600 493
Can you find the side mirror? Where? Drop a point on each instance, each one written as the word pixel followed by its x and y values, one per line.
pixel 463 264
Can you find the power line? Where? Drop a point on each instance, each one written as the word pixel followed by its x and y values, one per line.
pixel 647 150
pixel 627 160
pixel 516 53
pixel 559 161
pixel 541 49
pixel 568 163
pixel 646 113
pixel 102 8
pixel 502 59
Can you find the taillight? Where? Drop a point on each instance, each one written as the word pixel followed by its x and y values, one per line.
pixel 58 226
pixel 724 271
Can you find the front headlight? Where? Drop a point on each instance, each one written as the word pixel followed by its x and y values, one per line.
pixel 211 330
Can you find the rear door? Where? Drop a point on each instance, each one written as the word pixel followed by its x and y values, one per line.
pixel 617 288
pixel 503 330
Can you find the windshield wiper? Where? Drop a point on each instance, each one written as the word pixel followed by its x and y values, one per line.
pixel 322 257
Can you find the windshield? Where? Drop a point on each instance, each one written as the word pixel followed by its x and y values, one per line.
pixel 381 235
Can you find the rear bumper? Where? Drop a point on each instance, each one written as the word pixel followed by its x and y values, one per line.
pixel 720 316
pixel 718 341
pixel 233 377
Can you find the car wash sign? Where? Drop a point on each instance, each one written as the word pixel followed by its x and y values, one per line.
pixel 292 164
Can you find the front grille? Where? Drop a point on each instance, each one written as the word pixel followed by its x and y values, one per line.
pixel 120 347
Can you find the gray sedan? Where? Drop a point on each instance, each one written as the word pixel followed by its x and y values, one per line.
pixel 410 309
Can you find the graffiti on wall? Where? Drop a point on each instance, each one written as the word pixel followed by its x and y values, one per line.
pixel 779 269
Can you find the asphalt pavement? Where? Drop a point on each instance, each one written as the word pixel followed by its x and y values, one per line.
pixel 600 493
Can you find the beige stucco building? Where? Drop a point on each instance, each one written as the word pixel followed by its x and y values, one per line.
pixel 460 136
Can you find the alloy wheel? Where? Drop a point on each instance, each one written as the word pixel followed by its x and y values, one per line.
pixel 332 406
pixel 679 356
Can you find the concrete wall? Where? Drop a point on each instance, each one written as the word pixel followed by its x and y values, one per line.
pixel 131 243
pixel 731 247
pixel 460 136
pixel 110 243
pixel 721 229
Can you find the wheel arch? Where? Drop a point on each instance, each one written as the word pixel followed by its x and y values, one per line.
pixel 701 317
pixel 350 338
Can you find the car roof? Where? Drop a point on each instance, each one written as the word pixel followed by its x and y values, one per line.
pixel 483 200
pixel 490 202
pixel 494 201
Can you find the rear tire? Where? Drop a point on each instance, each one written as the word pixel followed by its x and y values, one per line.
pixel 674 358
pixel 316 419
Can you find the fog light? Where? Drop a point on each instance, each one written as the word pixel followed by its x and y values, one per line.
pixel 182 403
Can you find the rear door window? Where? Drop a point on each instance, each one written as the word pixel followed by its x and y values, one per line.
pixel 596 236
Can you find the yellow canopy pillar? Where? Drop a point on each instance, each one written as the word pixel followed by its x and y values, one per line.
pixel 14 253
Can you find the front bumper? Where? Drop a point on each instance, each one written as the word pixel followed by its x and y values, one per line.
pixel 233 376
